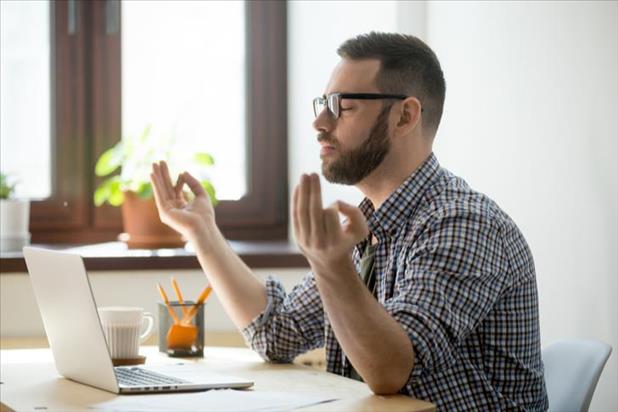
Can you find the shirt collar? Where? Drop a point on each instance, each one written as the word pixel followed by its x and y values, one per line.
pixel 403 202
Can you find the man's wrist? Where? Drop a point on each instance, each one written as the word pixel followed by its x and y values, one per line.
pixel 204 236
pixel 335 272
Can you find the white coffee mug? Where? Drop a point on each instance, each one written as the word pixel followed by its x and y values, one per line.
pixel 124 329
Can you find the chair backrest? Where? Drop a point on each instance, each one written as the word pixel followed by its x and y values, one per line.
pixel 572 370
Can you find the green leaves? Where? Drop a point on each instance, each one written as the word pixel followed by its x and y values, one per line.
pixel 6 189
pixel 144 191
pixel 110 160
pixel 109 191
pixel 133 157
pixel 204 159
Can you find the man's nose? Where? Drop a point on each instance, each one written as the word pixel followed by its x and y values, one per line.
pixel 324 122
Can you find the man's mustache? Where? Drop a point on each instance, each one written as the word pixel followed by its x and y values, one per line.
pixel 328 139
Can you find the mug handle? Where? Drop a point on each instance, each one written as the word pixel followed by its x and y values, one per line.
pixel 150 319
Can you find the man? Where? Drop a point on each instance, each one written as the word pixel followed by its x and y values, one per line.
pixel 427 289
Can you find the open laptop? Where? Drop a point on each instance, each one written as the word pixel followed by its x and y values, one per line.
pixel 76 338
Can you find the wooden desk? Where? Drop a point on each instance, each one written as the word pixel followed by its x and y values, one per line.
pixel 30 382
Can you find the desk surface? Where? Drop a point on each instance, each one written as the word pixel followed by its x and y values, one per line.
pixel 30 382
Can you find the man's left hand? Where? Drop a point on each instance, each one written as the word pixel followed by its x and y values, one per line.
pixel 324 240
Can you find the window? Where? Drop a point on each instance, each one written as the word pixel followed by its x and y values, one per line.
pixel 95 99
pixel 25 111
pixel 188 82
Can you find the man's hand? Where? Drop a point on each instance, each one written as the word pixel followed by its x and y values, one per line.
pixel 242 294
pixel 325 242
pixel 190 218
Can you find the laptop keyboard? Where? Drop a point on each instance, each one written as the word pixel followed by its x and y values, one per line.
pixel 143 377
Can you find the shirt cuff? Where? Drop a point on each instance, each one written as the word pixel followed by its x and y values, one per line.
pixel 275 294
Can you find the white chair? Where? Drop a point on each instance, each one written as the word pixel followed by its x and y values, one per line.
pixel 572 370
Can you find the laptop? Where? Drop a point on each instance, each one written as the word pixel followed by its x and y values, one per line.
pixel 63 293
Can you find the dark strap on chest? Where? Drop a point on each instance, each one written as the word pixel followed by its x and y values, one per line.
pixel 367 267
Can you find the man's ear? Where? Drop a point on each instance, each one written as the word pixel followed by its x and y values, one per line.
pixel 408 115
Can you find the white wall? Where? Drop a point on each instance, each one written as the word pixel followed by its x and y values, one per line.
pixel 19 313
pixel 531 120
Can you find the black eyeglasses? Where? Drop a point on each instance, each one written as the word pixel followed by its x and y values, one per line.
pixel 333 101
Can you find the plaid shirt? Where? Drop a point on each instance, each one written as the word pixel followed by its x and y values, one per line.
pixel 456 273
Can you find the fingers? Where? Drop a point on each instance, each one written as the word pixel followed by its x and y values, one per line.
pixel 155 179
pixel 302 207
pixel 194 184
pixel 161 178
pixel 315 207
pixel 307 210
pixel 156 189
pixel 357 225
pixel 332 226
pixel 167 180
pixel 295 215
pixel 178 186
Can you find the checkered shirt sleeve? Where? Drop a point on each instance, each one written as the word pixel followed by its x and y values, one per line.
pixel 290 325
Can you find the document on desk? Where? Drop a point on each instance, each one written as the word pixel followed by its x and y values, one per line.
pixel 213 400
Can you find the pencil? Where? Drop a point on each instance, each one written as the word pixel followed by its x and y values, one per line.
pixel 203 296
pixel 179 295
pixel 167 303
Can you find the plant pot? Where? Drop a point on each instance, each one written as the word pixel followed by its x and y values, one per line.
pixel 14 222
pixel 142 227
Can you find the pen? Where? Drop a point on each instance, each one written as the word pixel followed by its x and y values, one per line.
pixel 167 303
pixel 189 316
pixel 179 295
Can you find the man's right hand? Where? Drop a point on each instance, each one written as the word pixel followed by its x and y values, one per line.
pixel 191 218
pixel 242 294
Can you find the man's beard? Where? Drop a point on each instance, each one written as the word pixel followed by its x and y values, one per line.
pixel 353 166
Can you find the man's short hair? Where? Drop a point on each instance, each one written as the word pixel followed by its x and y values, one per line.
pixel 407 66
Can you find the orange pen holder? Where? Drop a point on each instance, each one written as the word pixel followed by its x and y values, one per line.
pixel 181 340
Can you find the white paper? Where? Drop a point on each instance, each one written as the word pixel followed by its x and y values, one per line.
pixel 213 400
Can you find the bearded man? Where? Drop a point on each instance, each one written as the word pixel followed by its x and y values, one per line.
pixel 427 288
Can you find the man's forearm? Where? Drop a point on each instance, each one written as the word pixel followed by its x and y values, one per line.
pixel 375 343
pixel 241 293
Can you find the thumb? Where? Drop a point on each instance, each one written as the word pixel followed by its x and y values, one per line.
pixel 356 224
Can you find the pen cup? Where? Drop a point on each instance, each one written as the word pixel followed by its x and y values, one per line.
pixel 181 340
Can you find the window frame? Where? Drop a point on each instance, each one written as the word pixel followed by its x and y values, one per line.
pixel 86 120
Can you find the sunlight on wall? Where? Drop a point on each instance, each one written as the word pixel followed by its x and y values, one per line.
pixel 183 71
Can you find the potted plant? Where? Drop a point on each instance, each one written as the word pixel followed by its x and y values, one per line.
pixel 14 217
pixel 127 167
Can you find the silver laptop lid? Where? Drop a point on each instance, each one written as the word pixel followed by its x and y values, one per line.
pixel 70 317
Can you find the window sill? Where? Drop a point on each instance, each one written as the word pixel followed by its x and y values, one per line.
pixel 116 256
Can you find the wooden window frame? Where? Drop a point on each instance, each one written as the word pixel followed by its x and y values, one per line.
pixel 86 120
